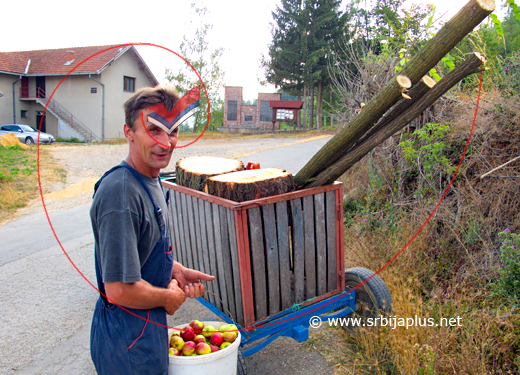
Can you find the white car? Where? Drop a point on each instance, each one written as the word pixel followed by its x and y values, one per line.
pixel 26 134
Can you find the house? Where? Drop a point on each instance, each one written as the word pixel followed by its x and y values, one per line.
pixel 94 82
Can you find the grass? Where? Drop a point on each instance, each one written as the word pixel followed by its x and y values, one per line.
pixel 19 176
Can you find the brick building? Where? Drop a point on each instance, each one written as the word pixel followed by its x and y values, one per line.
pixel 243 116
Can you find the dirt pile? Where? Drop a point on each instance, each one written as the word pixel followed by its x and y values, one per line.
pixel 10 139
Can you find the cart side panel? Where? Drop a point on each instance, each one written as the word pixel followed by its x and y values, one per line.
pixel 208 209
pixel 321 243
pixel 298 250
pixel 284 252
pixel 310 248
pixel 205 250
pixel 332 253
pixel 272 261
pixel 235 266
pixel 226 256
pixel 256 240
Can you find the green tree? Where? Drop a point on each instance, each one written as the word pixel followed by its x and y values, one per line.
pixel 196 50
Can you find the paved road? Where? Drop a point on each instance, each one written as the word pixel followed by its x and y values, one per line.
pixel 47 301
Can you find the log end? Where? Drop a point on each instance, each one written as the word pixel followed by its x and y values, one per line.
pixel 404 81
pixel 488 5
pixel 428 81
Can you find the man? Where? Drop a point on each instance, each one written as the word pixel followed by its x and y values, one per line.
pixel 134 264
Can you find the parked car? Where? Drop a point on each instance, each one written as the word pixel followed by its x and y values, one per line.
pixel 26 134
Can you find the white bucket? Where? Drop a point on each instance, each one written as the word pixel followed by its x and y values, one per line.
pixel 222 362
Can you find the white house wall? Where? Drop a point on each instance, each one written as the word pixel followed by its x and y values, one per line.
pixel 6 101
pixel 115 96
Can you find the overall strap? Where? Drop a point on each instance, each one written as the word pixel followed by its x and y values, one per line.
pixel 157 209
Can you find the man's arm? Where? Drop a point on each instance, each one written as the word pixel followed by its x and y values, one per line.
pixel 142 295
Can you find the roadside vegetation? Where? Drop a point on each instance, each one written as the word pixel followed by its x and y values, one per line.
pixel 19 176
pixel 466 261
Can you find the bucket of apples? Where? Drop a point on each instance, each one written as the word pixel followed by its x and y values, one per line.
pixel 209 347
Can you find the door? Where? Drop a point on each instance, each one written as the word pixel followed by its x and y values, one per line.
pixel 40 118
pixel 40 87
pixel 25 87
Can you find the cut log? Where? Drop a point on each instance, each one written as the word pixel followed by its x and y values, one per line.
pixel 428 56
pixel 471 65
pixel 251 184
pixel 193 171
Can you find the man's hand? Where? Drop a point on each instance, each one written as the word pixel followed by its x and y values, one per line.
pixel 177 298
pixel 189 280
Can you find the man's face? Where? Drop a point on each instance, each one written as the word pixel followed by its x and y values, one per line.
pixel 148 150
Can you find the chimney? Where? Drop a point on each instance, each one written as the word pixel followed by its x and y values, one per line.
pixel 70 58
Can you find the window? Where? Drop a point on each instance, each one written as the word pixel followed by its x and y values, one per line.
pixel 129 84
pixel 23 114
pixel 232 110
pixel 93 90
pixel 248 118
pixel 266 113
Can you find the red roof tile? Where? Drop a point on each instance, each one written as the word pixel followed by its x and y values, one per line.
pixel 51 61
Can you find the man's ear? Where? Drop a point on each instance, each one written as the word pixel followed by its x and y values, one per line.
pixel 129 133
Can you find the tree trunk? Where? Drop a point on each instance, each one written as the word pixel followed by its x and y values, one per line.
pixel 311 117
pixel 304 119
pixel 193 171
pixel 471 65
pixel 319 99
pixel 448 36
pixel 251 184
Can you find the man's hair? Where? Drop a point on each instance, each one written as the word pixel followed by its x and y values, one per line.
pixel 148 97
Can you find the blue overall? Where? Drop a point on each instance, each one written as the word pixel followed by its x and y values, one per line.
pixel 121 343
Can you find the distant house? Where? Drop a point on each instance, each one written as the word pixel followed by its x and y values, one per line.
pixel 87 105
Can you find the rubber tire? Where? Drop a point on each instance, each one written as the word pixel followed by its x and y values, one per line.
pixel 241 364
pixel 29 141
pixel 372 298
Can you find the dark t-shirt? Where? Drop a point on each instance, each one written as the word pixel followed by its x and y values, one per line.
pixel 124 224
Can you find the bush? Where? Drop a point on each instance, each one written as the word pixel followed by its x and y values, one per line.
pixel 510 69
pixel 508 284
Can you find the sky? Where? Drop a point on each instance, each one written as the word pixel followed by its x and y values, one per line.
pixel 241 28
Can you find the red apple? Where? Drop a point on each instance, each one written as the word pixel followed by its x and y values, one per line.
pixel 177 342
pixel 202 348
pixel 230 336
pixel 214 348
pixel 198 339
pixel 189 348
pixel 188 334
pixel 173 351
pixel 197 325
pixel 208 331
pixel 217 338
pixel 224 345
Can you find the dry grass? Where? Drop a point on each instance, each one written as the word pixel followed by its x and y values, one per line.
pixel 447 270
pixel 19 169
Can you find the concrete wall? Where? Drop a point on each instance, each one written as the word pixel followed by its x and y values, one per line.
pixel 6 101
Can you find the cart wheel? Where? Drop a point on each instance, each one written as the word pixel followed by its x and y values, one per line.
pixel 372 298
pixel 241 364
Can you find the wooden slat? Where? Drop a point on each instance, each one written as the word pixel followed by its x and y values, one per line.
pixel 235 265
pixel 182 240
pixel 321 243
pixel 205 250
pixel 226 255
pixel 187 242
pixel 174 224
pixel 193 238
pixel 198 241
pixel 258 262
pixel 284 256
pixel 298 249
pixel 273 264
pixel 222 277
pixel 310 249
pixel 332 255
pixel 212 254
